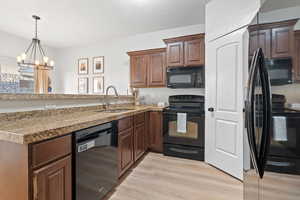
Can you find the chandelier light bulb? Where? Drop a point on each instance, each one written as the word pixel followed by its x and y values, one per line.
pixel 46 59
pixel 19 59
pixel 23 56
pixel 52 63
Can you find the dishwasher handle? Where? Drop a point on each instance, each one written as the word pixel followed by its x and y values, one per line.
pixel 93 136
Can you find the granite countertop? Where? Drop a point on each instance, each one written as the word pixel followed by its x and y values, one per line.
pixel 33 129
pixel 10 97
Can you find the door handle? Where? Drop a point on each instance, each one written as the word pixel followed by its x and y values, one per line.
pixel 211 109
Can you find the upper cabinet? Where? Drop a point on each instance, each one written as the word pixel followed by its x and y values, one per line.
pixel 175 54
pixel 138 70
pixel 186 50
pixel 276 39
pixel 148 68
pixel 282 41
pixel 260 39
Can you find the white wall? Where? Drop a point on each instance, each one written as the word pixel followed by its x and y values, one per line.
pixel 281 15
pixel 116 60
pixel 223 17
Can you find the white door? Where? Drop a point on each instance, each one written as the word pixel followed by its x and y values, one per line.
pixel 225 58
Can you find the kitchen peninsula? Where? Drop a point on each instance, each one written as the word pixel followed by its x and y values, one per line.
pixel 36 147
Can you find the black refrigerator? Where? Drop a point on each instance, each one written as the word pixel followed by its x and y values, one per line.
pixel 272 137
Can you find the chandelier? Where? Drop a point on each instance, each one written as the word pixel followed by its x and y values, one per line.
pixel 34 55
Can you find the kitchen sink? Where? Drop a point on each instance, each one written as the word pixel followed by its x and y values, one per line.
pixel 115 110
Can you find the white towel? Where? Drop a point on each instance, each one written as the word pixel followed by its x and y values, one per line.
pixel 279 128
pixel 181 122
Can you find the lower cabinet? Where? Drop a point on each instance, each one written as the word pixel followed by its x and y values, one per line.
pixel 132 134
pixel 54 181
pixel 125 150
pixel 139 141
pixel 155 131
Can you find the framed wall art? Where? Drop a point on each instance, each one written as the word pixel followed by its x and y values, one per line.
pixel 98 65
pixel 98 85
pixel 83 85
pixel 83 66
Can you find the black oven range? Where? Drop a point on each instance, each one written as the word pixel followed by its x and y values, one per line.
pixel 184 126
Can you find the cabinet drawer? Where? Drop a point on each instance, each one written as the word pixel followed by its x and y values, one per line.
pixel 125 123
pixel 139 118
pixel 50 150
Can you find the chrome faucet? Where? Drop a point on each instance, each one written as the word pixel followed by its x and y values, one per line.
pixel 106 94
pixel 114 88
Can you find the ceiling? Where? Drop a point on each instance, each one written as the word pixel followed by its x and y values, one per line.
pixel 68 23
pixel 270 5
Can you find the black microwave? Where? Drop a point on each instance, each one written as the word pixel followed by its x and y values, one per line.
pixel 186 77
pixel 280 70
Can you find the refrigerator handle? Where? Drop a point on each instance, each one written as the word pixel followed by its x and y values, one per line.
pixel 267 113
pixel 249 111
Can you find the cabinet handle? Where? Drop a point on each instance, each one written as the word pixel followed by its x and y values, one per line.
pixel 35 188
pixel 211 109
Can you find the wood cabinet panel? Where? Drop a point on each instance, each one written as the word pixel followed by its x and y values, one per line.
pixel 194 52
pixel 139 119
pixel 54 181
pixel 175 54
pixel 147 68
pixel 186 50
pixel 157 70
pixel 126 150
pixel 125 123
pixel 260 39
pixel 139 141
pixel 48 151
pixel 147 137
pixel 297 56
pixel 155 131
pixel 282 42
pixel 138 71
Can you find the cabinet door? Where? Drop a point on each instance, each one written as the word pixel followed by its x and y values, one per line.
pixel 155 131
pixel 125 150
pixel 157 70
pixel 260 39
pixel 139 141
pixel 194 52
pixel 138 71
pixel 297 56
pixel 282 42
pixel 54 181
pixel 147 136
pixel 175 54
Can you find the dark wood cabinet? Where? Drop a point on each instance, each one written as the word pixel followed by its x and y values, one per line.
pixel 297 56
pixel 157 69
pixel 138 71
pixel 186 51
pixel 282 42
pixel 53 182
pixel 125 150
pixel 260 39
pixel 175 54
pixel 148 68
pixel 155 131
pixel 139 141
pixel 275 39
pixel 194 52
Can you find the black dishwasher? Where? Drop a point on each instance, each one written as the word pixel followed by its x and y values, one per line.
pixel 95 161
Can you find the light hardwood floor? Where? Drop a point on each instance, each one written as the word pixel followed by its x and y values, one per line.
pixel 159 177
